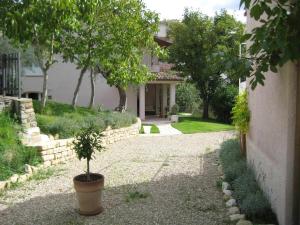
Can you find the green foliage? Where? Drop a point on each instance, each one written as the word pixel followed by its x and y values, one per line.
pixel 187 97
pixel 13 155
pixel 136 195
pixel 174 109
pixel 251 199
pixel 223 102
pixel 276 40
pixel 64 120
pixel 241 113
pixel 154 129
pixel 86 143
pixel 39 24
pixel 191 125
pixel 111 36
pixel 200 50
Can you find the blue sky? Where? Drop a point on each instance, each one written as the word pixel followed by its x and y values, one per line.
pixel 173 9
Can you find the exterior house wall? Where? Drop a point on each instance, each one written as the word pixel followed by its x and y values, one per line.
pixel 271 138
pixel 62 82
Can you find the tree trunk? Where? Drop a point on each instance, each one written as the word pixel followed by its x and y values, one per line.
pixel 205 109
pixel 74 101
pixel 45 89
pixel 92 100
pixel 88 170
pixel 243 144
pixel 123 99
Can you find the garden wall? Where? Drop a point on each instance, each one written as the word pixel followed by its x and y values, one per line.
pixel 57 151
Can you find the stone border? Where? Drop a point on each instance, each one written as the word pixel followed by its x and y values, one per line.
pixel 17 178
pixel 234 211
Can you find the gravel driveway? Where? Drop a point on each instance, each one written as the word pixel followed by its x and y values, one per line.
pixel 175 175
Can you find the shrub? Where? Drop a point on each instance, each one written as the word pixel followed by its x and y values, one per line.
pixel 66 121
pixel 251 199
pixel 235 170
pixel 256 206
pixel 187 97
pixel 241 113
pixel 223 101
pixel 174 110
pixel 13 155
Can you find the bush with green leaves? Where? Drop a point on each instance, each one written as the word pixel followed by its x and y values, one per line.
pixel 13 155
pixel 64 120
pixel 251 199
pixel 241 113
pixel 223 102
pixel 187 97
pixel 86 143
pixel 174 109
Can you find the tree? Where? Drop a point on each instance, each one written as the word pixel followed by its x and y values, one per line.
pixel 38 23
pixel 187 97
pixel 201 48
pixel 111 39
pixel 276 40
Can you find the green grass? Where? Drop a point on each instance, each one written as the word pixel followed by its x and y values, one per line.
pixel 64 120
pixel 190 125
pixel 13 155
pixel 154 129
pixel 136 195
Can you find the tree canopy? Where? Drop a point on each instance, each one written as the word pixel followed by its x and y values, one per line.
pixel 202 48
pixel 111 37
pixel 276 40
pixel 38 23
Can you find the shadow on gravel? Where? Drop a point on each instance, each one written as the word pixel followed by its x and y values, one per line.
pixel 178 199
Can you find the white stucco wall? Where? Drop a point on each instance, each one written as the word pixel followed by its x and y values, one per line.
pixel 271 138
pixel 63 79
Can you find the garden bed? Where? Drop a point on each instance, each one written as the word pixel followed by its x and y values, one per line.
pixel 13 155
pixel 250 198
pixel 65 121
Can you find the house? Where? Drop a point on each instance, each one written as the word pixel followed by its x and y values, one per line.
pixel 273 141
pixel 151 99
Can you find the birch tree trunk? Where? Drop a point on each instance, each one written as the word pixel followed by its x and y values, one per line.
pixel 92 79
pixel 75 96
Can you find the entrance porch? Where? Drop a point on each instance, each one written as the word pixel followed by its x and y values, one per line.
pixel 156 99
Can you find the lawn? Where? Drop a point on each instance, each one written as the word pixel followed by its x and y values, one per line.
pixel 65 121
pixel 13 155
pixel 190 125
pixel 154 129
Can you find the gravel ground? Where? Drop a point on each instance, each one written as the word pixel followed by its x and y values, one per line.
pixel 176 174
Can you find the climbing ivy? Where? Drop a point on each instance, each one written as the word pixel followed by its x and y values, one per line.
pixel 277 40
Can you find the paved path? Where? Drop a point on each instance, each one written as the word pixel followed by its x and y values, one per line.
pixel 177 174
pixel 167 129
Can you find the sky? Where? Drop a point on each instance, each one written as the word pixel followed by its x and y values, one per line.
pixel 173 9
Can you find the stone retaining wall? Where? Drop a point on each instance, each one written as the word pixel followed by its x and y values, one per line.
pixel 58 151
pixel 22 108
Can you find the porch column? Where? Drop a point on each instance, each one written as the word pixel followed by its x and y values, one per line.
pixel 165 99
pixel 142 102
pixel 157 102
pixel 172 95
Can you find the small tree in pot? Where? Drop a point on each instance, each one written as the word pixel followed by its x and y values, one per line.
pixel 88 186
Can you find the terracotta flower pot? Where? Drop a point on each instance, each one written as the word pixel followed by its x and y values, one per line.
pixel 89 193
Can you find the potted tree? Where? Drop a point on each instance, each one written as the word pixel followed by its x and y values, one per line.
pixel 88 186
pixel 173 113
